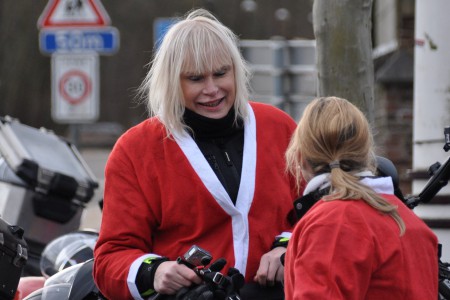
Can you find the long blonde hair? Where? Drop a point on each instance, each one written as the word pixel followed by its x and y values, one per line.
pixel 199 43
pixel 334 130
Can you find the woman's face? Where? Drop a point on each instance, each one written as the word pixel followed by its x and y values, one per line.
pixel 210 94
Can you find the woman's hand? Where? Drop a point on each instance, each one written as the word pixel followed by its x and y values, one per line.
pixel 270 267
pixel 170 277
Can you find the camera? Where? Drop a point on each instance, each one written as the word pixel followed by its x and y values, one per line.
pixel 195 257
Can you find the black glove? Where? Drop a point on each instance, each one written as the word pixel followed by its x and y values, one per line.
pixel 200 292
pixel 225 287
pixel 215 286
pixel 236 282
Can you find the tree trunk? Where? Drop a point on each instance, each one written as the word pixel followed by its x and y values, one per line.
pixel 344 51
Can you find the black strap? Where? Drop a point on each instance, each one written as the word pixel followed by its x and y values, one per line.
pixel 304 203
pixel 146 275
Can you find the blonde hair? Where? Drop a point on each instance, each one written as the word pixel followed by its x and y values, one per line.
pixel 334 130
pixel 197 44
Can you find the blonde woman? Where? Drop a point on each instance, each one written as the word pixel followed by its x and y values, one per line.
pixel 358 241
pixel 207 169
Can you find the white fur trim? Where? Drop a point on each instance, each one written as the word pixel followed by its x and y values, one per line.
pixel 284 234
pixel 381 185
pixel 238 213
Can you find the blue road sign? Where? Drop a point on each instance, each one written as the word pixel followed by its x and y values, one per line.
pixel 160 27
pixel 103 40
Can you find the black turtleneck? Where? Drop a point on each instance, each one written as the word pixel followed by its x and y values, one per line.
pixel 221 142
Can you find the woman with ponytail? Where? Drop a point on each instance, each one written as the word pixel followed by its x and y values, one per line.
pixel 358 241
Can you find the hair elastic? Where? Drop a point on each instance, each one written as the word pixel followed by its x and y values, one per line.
pixel 334 164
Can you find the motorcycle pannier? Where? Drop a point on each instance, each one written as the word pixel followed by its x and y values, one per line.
pixel 44 183
pixel 13 257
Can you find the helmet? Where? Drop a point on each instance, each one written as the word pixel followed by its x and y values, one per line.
pixel 385 167
pixel 67 250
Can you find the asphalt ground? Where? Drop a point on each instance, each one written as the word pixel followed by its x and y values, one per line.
pixel 96 160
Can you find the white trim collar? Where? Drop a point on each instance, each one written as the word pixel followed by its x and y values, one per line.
pixel 238 213
pixel 381 185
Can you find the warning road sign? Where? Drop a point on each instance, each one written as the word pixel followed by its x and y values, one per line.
pixel 75 91
pixel 74 13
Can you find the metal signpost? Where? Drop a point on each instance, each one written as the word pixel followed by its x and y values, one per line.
pixel 74 33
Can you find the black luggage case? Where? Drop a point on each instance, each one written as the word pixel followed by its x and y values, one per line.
pixel 46 162
pixel 13 257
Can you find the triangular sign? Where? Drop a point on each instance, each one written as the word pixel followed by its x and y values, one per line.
pixel 74 13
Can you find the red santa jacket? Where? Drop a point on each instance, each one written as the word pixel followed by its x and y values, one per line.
pixel 345 249
pixel 161 197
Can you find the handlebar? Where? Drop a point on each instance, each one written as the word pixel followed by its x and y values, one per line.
pixel 440 175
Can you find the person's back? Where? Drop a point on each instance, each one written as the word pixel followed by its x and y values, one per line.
pixel 358 241
pixel 373 261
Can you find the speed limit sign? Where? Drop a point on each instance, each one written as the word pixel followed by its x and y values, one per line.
pixel 75 92
pixel 75 86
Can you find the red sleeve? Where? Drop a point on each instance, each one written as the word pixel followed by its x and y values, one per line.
pixel 127 222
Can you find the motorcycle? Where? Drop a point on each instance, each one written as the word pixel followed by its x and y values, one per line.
pixel 66 266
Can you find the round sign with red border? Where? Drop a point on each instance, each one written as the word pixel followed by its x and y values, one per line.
pixel 75 86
